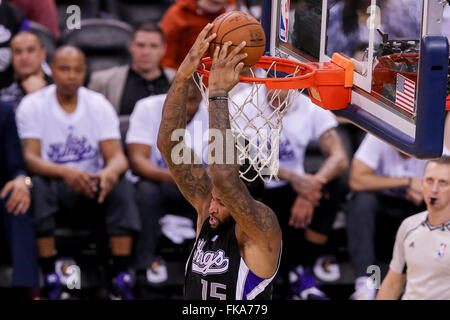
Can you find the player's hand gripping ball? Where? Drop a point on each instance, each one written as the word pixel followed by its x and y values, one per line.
pixel 238 26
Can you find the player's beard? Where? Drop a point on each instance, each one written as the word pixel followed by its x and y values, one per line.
pixel 224 225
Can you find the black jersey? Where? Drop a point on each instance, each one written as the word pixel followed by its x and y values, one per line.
pixel 215 269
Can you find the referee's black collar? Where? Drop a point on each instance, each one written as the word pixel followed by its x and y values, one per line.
pixel 444 226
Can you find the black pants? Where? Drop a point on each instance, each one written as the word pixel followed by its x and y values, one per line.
pixel 155 199
pixel 281 199
pixel 363 210
pixel 50 197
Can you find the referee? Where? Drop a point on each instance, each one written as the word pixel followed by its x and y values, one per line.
pixel 421 257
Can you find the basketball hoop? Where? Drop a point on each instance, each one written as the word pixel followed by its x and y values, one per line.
pixel 257 109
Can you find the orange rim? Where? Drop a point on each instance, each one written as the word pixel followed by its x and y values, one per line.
pixel 329 83
pixel 305 73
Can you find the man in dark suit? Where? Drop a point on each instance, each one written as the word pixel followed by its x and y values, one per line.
pixel 17 228
pixel 124 85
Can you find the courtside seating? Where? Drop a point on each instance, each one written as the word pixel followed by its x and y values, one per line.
pixel 135 11
pixel 104 41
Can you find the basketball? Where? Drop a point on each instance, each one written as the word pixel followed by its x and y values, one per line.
pixel 238 26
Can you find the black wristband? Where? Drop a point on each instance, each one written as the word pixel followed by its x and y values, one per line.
pixel 218 98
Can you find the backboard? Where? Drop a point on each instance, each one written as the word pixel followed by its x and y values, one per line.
pixel 400 61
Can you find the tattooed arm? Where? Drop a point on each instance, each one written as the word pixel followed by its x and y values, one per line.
pixel 253 217
pixel 309 187
pixel 336 161
pixel 257 222
pixel 191 177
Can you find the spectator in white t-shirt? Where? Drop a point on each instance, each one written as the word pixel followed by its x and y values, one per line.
pixel 303 200
pixel 72 148
pixel 387 186
pixel 156 191
pixel 420 258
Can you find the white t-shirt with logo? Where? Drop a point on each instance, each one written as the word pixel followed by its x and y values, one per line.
pixel 387 161
pixel 425 252
pixel 70 139
pixel 146 119
pixel 304 122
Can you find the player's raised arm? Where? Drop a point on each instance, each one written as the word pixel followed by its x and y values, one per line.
pixel 191 177
pixel 256 220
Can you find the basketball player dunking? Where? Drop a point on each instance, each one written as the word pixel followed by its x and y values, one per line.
pixel 238 246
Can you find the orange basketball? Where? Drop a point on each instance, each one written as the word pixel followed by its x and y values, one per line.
pixel 238 26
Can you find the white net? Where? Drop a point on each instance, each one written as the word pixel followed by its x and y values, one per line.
pixel 256 116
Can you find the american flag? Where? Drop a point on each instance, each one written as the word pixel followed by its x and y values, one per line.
pixel 405 94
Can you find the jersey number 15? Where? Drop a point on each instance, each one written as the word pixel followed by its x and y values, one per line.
pixel 213 290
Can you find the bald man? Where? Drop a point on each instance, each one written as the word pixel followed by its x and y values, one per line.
pixel 71 144
pixel 28 55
